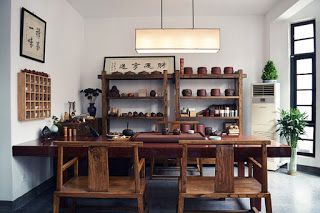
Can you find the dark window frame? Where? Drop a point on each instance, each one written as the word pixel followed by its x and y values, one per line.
pixel 294 59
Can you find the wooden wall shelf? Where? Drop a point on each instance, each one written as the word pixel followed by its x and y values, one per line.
pixel 138 98
pixel 209 118
pixel 34 96
pixel 212 76
pixel 129 118
pixel 209 97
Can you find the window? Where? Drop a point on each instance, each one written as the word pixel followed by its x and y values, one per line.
pixel 303 80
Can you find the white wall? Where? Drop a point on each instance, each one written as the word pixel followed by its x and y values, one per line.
pixel 64 58
pixel 280 53
pixel 5 127
pixel 242 46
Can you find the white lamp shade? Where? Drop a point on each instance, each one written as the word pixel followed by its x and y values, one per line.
pixel 177 40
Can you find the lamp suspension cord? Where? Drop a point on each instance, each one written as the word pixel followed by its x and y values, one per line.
pixel 161 16
pixel 192 14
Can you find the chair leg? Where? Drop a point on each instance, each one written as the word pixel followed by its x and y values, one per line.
pixel 268 204
pixel 180 204
pixel 140 204
pixel 56 203
pixel 151 167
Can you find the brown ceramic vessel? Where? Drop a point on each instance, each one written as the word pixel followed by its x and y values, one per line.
pixel 202 70
pixel 229 92
pixel 228 70
pixel 215 92
pixel 216 70
pixel 188 70
pixel 187 92
pixel 201 92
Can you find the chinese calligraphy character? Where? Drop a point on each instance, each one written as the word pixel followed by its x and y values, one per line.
pixel 38 45
pixel 135 65
pixel 123 66
pixel 148 65
pixel 162 65
pixel 38 32
pixel 30 40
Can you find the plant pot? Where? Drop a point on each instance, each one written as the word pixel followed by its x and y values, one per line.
pixel 228 70
pixel 269 81
pixel 293 162
pixel 202 70
pixel 215 92
pixel 201 92
pixel 188 71
pixel 92 109
pixel 216 70
pixel 187 92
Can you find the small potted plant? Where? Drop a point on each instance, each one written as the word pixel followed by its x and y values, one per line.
pixel 269 74
pixel 291 126
pixel 91 94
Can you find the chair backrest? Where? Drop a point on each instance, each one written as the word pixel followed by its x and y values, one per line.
pixel 224 153
pixel 174 124
pixel 98 162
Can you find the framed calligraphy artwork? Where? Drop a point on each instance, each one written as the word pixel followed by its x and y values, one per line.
pixel 32 36
pixel 139 63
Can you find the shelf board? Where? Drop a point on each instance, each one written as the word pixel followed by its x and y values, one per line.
pixel 212 76
pixel 135 77
pixel 209 97
pixel 211 118
pixel 139 98
pixel 129 118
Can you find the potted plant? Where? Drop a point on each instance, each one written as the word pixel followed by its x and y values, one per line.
pixel 291 126
pixel 91 94
pixel 269 74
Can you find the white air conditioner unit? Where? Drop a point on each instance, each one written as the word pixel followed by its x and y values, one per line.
pixel 265 113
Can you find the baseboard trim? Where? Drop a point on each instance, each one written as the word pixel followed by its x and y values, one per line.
pixel 309 169
pixel 7 206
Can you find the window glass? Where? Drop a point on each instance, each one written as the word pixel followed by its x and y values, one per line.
pixel 307 110
pixel 308 133
pixel 303 31
pixel 304 97
pixel 304 66
pixel 304 46
pixel 305 146
pixel 304 81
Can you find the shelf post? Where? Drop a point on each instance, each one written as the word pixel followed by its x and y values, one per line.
pixel 105 103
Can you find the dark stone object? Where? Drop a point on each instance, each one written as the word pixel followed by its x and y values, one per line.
pixel 165 131
pixel 208 130
pixel 159 114
pixel 153 114
pixel 141 114
pixel 128 132
pixel 135 114
pixel 229 92
pixel 114 92
pixel 46 133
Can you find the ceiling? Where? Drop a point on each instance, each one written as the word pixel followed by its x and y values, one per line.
pixel 144 8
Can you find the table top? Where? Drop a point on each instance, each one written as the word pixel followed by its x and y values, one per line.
pixel 156 137
pixel 166 149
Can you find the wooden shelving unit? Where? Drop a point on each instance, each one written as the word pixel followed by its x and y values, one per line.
pixel 34 96
pixel 105 82
pixel 237 99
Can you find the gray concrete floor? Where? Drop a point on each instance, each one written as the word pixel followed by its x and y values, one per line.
pixel 290 194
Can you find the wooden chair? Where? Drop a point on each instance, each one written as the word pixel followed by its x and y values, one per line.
pixel 98 183
pixel 224 184
pixel 171 125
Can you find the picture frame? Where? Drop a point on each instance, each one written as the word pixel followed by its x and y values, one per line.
pixel 32 36
pixel 139 63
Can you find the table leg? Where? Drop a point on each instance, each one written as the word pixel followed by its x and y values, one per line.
pixel 241 169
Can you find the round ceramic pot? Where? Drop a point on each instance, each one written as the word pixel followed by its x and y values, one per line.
pixel 228 70
pixel 188 70
pixel 229 92
pixel 201 92
pixel 215 92
pixel 216 70
pixel 153 93
pixel 141 114
pixel 165 131
pixel 135 114
pixel 153 114
pixel 201 128
pixel 202 70
pixel 185 127
pixel 187 92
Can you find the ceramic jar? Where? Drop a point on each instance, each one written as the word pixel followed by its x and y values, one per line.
pixel 228 70
pixel 215 92
pixel 208 130
pixel 176 131
pixel 187 92
pixel 188 70
pixel 185 127
pixel 202 70
pixel 216 70
pixel 165 131
pixel 153 93
pixel 201 92
pixel 201 128
pixel 229 92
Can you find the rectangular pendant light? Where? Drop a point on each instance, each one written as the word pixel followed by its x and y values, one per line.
pixel 180 40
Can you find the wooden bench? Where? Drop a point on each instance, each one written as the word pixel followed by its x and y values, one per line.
pixel 98 183
pixel 224 184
